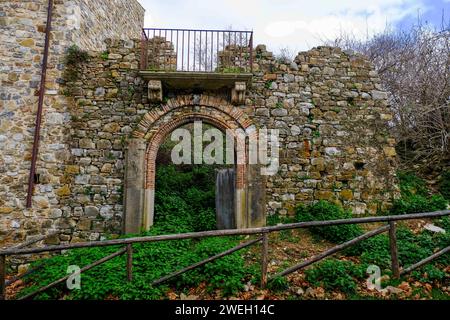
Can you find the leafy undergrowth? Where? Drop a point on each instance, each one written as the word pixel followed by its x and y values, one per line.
pixel 345 276
pixel 237 276
pixel 184 203
pixel 415 197
pixel 151 261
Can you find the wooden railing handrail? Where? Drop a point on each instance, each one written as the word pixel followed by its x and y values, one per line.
pixel 332 251
pixel 217 233
pixel 263 232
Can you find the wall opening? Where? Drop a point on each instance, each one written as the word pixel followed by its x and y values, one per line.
pixel 150 134
pixel 193 197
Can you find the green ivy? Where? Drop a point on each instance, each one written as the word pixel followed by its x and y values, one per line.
pixel 444 185
pixel 415 196
pixel 323 210
pixel 184 203
pixel 333 274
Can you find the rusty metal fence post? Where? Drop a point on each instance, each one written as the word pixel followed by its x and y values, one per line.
pixel 264 258
pixel 2 277
pixel 394 250
pixel 130 262
pixel 251 53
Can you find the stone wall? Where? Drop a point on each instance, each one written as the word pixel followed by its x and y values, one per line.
pixel 333 118
pixel 161 55
pixel 22 34
pixel 328 105
pixel 22 40
pixel 109 101
pixel 98 20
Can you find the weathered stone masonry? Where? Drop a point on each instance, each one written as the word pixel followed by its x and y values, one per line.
pixel 333 115
pixel 328 105
pixel 22 33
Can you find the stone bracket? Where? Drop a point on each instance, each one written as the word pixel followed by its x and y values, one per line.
pixel 155 91
pixel 238 93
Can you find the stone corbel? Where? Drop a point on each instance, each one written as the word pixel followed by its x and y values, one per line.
pixel 238 93
pixel 155 91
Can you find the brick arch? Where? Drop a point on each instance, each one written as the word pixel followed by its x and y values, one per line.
pixel 158 123
pixel 217 103
pixel 158 137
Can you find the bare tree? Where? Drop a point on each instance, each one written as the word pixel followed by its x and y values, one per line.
pixel 285 55
pixel 212 51
pixel 414 66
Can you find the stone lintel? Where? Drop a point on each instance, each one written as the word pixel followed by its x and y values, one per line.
pixel 197 80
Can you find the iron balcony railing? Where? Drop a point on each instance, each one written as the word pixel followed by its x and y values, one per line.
pixel 192 50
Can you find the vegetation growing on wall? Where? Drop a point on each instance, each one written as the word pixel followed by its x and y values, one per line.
pixel 74 58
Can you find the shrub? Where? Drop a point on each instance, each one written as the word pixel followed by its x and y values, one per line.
pixel 374 250
pixel 185 198
pixel 414 196
pixel 335 274
pixel 418 203
pixel 412 248
pixel 326 211
pixel 275 219
pixel 430 274
pixel 444 185
pixel 278 284
pixel 444 222
pixel 76 56
pixel 411 184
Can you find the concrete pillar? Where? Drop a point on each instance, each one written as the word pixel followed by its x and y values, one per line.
pixel 256 197
pixel 241 209
pixel 134 186
pixel 149 208
pixel 225 203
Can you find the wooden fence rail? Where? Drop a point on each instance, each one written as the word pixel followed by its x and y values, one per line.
pixel 332 251
pixel 263 234
pixel 201 263
pixel 61 280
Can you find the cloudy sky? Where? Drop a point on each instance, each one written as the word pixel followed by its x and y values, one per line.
pixel 299 24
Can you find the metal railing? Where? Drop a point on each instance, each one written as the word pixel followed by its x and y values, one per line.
pixel 195 50
pixel 263 237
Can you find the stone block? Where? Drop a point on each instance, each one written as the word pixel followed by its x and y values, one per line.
pixel 91 211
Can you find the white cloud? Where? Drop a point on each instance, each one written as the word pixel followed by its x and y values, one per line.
pixel 300 24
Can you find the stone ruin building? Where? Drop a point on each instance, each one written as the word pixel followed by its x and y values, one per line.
pixel 90 172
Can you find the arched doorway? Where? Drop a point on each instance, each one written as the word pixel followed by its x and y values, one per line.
pixel 144 146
